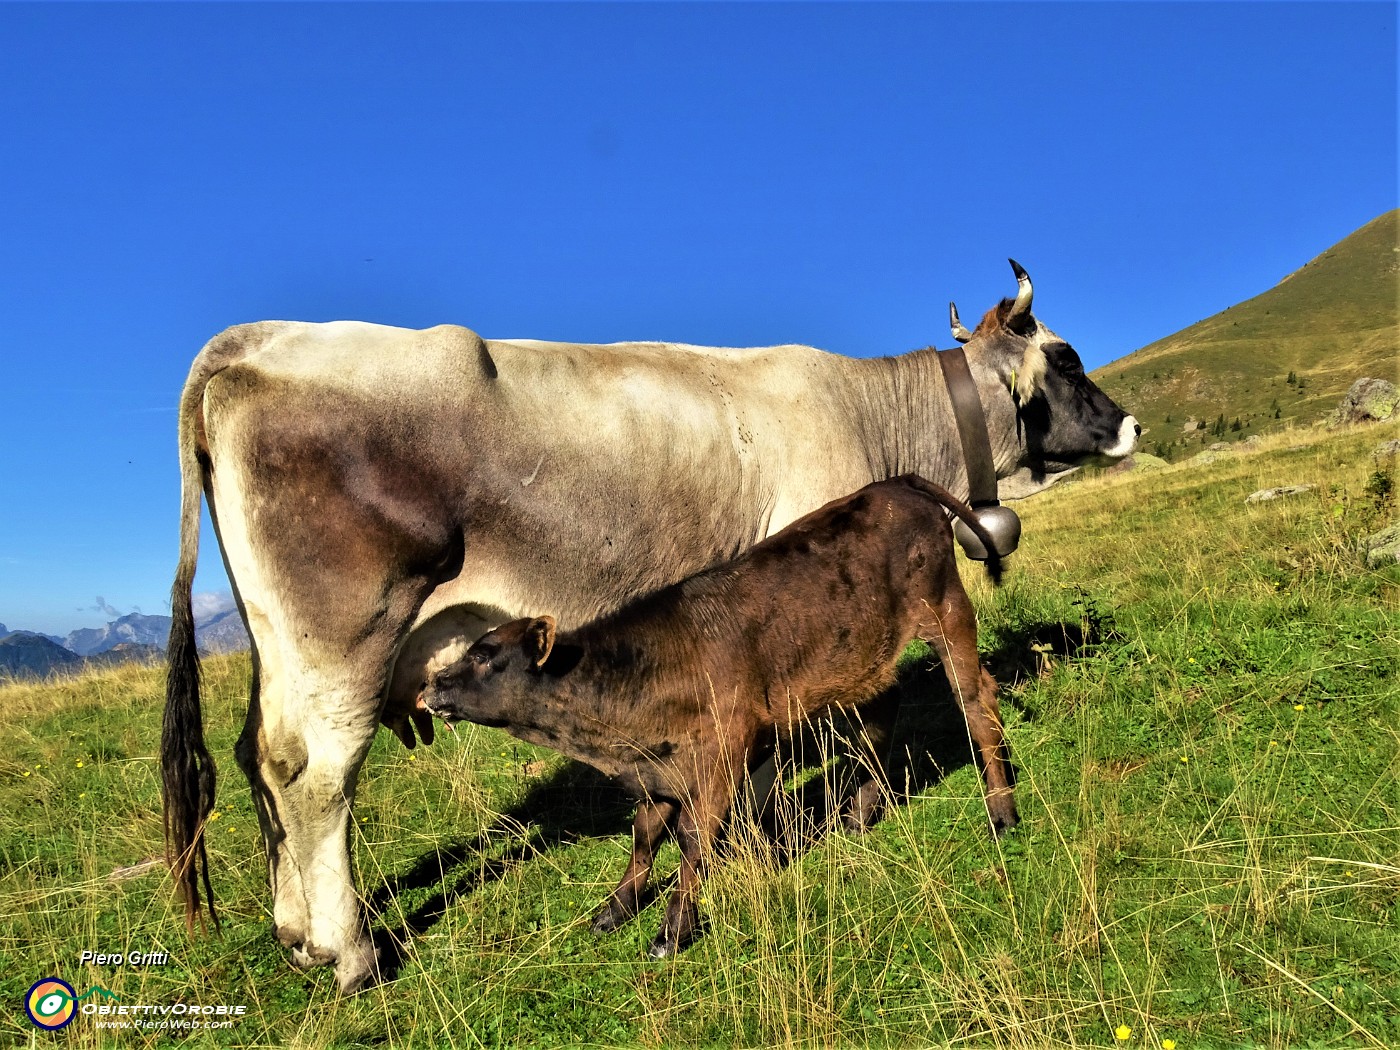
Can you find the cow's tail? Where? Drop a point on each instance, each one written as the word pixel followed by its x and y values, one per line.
pixel 969 518
pixel 187 771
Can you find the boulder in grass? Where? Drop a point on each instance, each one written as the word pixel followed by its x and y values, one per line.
pixel 1262 495
pixel 1368 400
pixel 1383 548
pixel 1137 461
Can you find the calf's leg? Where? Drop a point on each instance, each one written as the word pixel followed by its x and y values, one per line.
pixel 954 637
pixel 648 829
pixel 875 731
pixel 698 825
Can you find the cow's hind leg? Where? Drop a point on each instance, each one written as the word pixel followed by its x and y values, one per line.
pixel 954 637
pixel 302 747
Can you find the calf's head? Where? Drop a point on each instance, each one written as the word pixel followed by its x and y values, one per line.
pixel 1060 417
pixel 488 685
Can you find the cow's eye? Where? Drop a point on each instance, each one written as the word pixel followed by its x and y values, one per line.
pixel 1070 364
pixel 480 656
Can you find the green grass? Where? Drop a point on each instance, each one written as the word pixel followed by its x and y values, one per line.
pixel 1202 702
pixel 1328 324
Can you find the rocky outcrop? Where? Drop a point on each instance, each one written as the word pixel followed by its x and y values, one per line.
pixel 1368 401
pixel 134 627
pixel 1383 548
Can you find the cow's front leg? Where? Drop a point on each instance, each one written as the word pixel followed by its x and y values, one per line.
pixel 653 820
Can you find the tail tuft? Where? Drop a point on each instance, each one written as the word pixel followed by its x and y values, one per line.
pixel 187 771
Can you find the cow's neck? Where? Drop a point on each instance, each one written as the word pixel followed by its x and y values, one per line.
pixel 903 417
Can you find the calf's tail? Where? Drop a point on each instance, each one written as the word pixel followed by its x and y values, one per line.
pixel 969 518
pixel 187 771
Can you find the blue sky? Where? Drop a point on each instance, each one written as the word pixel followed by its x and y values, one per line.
pixel 731 174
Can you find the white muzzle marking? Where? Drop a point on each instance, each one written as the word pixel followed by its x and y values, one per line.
pixel 1127 438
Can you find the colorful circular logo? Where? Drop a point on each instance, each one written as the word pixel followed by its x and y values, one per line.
pixel 51 1004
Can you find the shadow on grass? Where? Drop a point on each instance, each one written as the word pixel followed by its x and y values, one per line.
pixel 930 741
pixel 575 802
pixel 1029 650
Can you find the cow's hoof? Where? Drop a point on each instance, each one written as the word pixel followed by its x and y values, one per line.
pixel 304 957
pixel 358 967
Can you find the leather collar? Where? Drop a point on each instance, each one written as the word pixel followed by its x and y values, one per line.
pixel 972 428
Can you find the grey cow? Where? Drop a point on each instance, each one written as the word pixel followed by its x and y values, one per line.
pixel 380 494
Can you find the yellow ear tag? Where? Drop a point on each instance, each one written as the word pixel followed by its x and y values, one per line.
pixel 1013 383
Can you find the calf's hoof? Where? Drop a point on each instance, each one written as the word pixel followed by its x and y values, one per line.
pixel 661 949
pixel 1003 815
pixel 666 943
pixel 857 820
pixel 608 919
pixel 863 810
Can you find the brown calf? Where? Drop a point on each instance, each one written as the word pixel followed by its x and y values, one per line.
pixel 682 691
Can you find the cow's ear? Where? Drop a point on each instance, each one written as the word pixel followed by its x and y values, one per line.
pixel 538 640
pixel 1025 378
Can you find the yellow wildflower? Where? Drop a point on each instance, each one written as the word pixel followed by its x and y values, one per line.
pixel 1168 1044
pixel 1122 1033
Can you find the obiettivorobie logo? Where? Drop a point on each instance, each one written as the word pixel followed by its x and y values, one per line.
pixel 52 1004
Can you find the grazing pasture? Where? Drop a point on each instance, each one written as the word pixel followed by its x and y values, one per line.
pixel 1202 698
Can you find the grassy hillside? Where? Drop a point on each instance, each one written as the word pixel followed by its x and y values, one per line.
pixel 1203 702
pixel 1336 319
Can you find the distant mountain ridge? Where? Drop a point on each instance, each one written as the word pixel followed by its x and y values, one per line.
pixel 133 627
pixel 1284 357
pixel 133 637
pixel 24 654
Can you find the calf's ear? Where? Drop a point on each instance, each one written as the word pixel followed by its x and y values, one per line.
pixel 538 640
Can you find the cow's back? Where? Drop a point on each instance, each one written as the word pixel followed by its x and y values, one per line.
pixel 576 475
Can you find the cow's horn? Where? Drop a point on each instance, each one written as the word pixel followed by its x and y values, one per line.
pixel 960 333
pixel 1022 307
